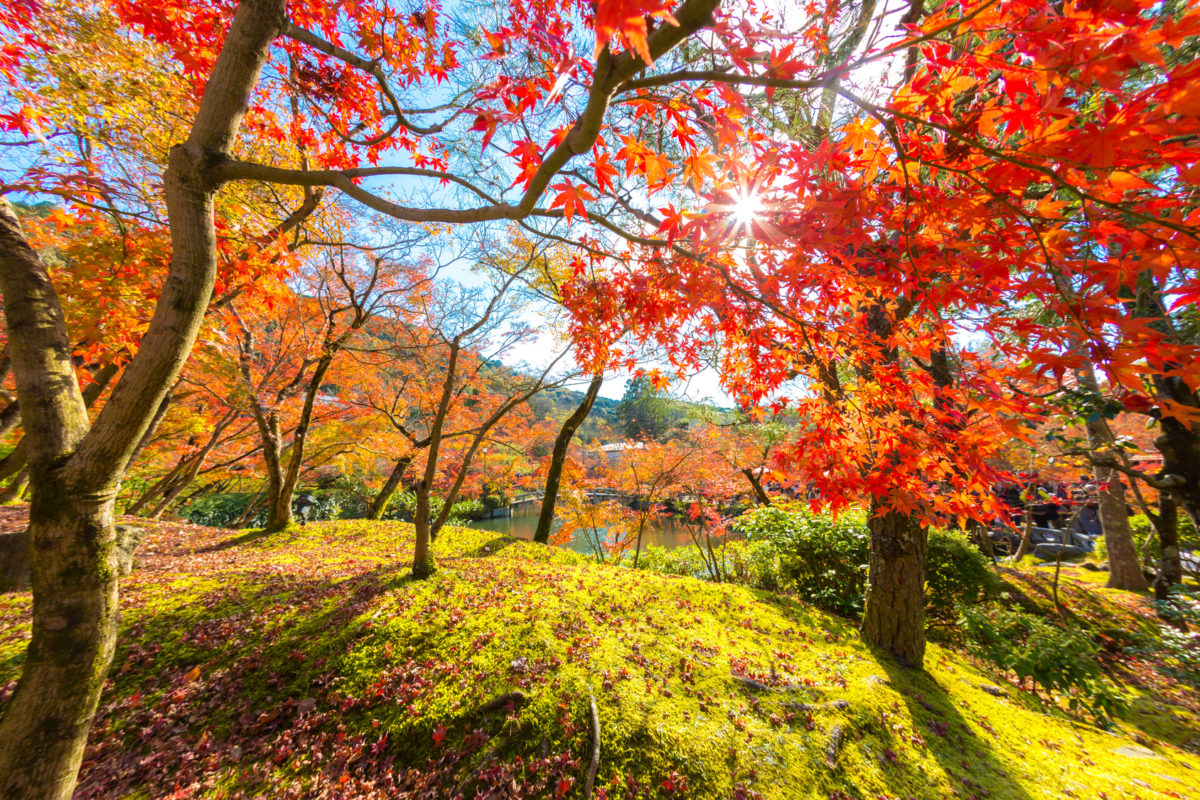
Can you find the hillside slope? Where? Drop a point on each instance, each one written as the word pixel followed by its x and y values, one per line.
pixel 308 665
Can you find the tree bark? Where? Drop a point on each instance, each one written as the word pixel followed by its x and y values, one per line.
pixel 380 503
pixel 1170 569
pixel 559 457
pixel 279 507
pixel 1124 567
pixel 894 617
pixel 760 494
pixel 75 469
pixel 424 564
pixel 16 461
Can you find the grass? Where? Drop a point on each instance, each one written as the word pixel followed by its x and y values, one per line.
pixel 309 664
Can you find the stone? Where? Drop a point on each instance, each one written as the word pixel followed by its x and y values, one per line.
pixel 1135 751
pixel 833 745
pixel 128 539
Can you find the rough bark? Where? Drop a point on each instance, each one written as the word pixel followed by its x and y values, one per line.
pixel 894 617
pixel 1170 569
pixel 1124 566
pixel 16 461
pixel 1179 445
pixel 380 503
pixel 1125 569
pixel 279 508
pixel 559 457
pixel 75 471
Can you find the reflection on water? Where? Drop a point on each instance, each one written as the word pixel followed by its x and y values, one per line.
pixel 661 532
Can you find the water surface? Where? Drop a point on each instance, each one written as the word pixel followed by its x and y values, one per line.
pixel 659 531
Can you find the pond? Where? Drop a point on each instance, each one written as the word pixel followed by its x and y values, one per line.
pixel 660 532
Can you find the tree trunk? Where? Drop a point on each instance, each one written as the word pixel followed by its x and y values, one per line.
pixel 1124 566
pixel 1179 445
pixel 755 482
pixel 74 577
pixel 1125 570
pixel 280 514
pixel 1170 569
pixel 380 503
pixel 559 457
pixel 76 467
pixel 424 564
pixel 15 461
pixel 279 508
pixel 894 617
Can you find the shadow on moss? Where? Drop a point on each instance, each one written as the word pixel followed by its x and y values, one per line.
pixel 967 760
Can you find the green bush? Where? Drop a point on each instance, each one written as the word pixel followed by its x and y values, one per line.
pixel 746 563
pixel 824 560
pixel 404 504
pixel 1059 659
pixel 1141 528
pixel 344 500
pixel 220 510
pixel 956 573
pixel 821 558
pixel 670 561
pixel 753 564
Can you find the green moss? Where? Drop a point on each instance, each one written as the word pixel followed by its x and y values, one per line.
pixel 320 658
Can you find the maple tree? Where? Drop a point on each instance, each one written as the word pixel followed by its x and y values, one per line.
pixel 436 371
pixel 999 163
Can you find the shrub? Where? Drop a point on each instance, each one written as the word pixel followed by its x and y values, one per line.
pixel 1059 659
pixel 753 564
pixel 669 561
pixel 746 563
pixel 956 573
pixel 821 558
pixel 404 505
pixel 218 510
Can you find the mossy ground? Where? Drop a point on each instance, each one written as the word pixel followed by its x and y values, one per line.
pixel 308 664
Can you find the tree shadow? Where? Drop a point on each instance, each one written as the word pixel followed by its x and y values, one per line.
pixel 250 536
pixel 487 549
pixel 966 759
pixel 230 674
